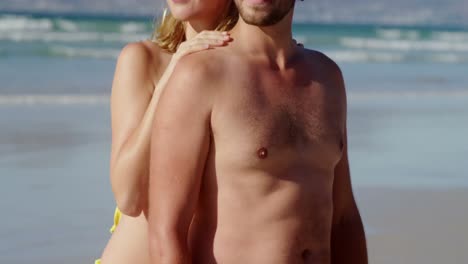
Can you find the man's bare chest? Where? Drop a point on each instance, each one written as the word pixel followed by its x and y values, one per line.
pixel 273 121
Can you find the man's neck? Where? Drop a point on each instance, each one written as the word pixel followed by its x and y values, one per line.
pixel 274 42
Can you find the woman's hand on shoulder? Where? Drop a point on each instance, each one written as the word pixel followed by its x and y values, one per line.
pixel 203 41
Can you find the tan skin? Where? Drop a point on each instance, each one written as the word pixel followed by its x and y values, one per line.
pixel 142 71
pixel 141 74
pixel 255 166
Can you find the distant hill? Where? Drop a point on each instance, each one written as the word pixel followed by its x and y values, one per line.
pixel 401 12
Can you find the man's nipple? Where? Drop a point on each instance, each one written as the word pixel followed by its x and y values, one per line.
pixel 262 153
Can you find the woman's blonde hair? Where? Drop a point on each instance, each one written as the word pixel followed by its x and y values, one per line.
pixel 170 32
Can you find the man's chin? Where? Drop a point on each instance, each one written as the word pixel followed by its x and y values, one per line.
pixel 257 3
pixel 260 19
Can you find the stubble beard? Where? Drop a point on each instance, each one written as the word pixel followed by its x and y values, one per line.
pixel 271 18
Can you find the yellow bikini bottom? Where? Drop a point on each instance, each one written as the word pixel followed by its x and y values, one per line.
pixel 117 215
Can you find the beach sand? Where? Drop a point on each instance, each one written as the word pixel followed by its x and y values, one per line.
pixel 415 226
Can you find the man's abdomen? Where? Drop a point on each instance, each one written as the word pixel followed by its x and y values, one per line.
pixel 258 217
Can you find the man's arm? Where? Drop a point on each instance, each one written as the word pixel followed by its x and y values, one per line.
pixel 179 147
pixel 348 241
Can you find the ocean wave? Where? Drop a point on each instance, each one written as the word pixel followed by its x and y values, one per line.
pixel 357 56
pixel 99 37
pixel 412 34
pixel 133 27
pixel 22 23
pixel 17 28
pixel 398 34
pixel 365 56
pixel 403 45
pixel 415 94
pixel 33 36
pixel 67 25
pixel 72 52
pixel 450 36
pixel 54 99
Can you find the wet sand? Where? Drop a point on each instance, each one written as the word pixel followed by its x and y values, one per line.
pixel 415 226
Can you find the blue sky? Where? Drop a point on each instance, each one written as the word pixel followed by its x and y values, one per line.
pixel 353 11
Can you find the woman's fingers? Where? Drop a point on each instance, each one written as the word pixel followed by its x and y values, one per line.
pixel 195 44
pixel 212 35
pixel 209 34
pixel 212 42
pixel 195 48
pixel 204 40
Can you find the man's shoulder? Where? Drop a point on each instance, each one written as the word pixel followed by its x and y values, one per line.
pixel 328 67
pixel 205 64
pixel 323 60
pixel 198 75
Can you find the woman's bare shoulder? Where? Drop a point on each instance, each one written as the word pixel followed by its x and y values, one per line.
pixel 142 62
pixel 144 53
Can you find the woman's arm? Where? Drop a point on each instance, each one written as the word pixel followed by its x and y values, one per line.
pixel 132 111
